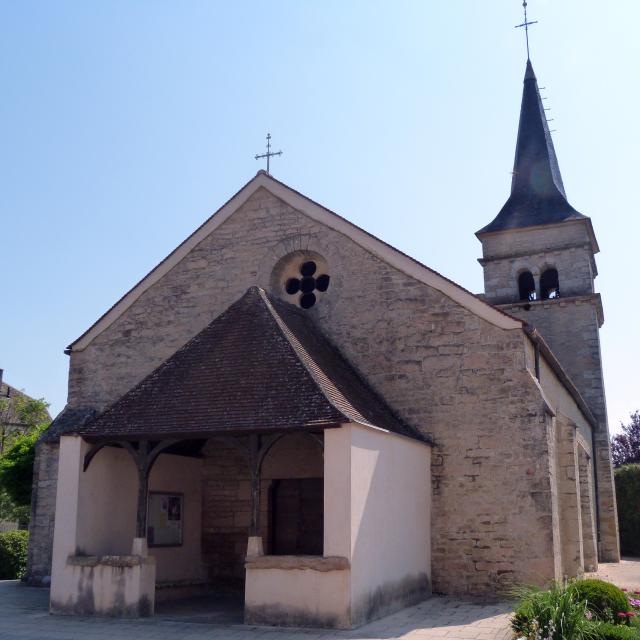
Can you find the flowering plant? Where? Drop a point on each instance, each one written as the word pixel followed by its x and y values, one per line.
pixel 553 614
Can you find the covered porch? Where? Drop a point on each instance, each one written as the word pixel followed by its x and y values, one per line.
pixel 313 505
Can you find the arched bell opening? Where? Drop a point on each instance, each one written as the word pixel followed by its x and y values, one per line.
pixel 526 286
pixel 549 284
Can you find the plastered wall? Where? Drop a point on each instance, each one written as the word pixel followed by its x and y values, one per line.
pixel 107 500
pixel 378 516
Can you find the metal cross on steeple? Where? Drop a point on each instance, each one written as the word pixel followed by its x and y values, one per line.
pixel 526 24
pixel 269 153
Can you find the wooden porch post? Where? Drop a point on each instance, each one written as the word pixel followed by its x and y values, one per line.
pixel 143 489
pixel 254 468
pixel 143 457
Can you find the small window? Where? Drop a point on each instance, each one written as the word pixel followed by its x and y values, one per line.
pixel 549 285
pixel 301 278
pixel 526 286
pixel 303 287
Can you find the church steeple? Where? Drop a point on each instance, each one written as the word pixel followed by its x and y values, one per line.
pixel 537 192
pixel 538 259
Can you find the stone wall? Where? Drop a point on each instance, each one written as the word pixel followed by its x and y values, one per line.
pixel 226 506
pixel 570 326
pixel 451 374
pixel 569 499
pixel 45 473
pixel 554 475
pixel 587 500
pixel 565 247
pixel 226 498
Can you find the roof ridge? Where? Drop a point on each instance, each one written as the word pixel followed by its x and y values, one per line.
pixel 237 375
pixel 320 378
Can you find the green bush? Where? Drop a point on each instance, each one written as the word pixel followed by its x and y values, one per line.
pixel 608 631
pixel 13 554
pixel 628 498
pixel 557 614
pixel 16 467
pixel 603 599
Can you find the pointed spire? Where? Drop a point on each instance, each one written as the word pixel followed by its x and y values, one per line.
pixel 535 169
pixel 537 192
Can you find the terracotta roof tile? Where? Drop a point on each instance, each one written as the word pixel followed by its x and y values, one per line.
pixel 262 365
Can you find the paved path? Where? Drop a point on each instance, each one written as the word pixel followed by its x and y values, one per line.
pixel 23 616
pixel 625 574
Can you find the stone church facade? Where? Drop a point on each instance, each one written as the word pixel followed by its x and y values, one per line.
pixel 487 413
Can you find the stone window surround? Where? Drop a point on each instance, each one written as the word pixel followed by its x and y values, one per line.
pixel 521 267
pixel 288 267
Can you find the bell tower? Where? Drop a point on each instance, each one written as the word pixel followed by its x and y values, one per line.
pixel 538 256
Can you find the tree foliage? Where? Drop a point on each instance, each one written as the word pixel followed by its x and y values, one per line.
pixel 625 446
pixel 13 554
pixel 16 462
pixel 11 512
pixel 628 499
pixel 20 414
pixel 16 467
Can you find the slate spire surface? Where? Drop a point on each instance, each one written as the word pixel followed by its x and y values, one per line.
pixel 537 192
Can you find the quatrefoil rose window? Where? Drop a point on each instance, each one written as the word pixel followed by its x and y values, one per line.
pixel 307 284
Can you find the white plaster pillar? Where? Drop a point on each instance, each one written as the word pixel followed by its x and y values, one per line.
pixel 337 492
pixel 65 533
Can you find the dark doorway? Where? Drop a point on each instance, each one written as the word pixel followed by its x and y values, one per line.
pixel 297 518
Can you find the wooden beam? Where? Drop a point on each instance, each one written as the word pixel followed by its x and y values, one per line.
pixel 144 458
pixel 143 488
pixel 254 469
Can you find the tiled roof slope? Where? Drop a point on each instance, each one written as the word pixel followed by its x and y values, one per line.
pixel 67 421
pixel 261 365
pixel 537 192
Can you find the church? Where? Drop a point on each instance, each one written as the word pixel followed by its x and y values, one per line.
pixel 288 407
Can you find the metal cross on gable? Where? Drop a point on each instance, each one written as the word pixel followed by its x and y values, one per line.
pixel 526 24
pixel 269 153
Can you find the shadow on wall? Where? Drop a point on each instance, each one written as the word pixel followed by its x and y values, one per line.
pixel 391 504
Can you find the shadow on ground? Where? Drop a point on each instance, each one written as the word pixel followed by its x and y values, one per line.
pixel 24 615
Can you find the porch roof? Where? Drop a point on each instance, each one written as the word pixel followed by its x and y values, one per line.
pixel 262 365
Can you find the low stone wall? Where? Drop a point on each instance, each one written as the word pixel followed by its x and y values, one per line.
pixel 116 586
pixel 300 591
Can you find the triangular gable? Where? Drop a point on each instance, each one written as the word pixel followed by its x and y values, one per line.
pixel 317 212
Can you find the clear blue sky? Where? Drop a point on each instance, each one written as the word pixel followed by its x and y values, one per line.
pixel 124 124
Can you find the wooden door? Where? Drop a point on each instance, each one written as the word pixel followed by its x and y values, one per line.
pixel 297 518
